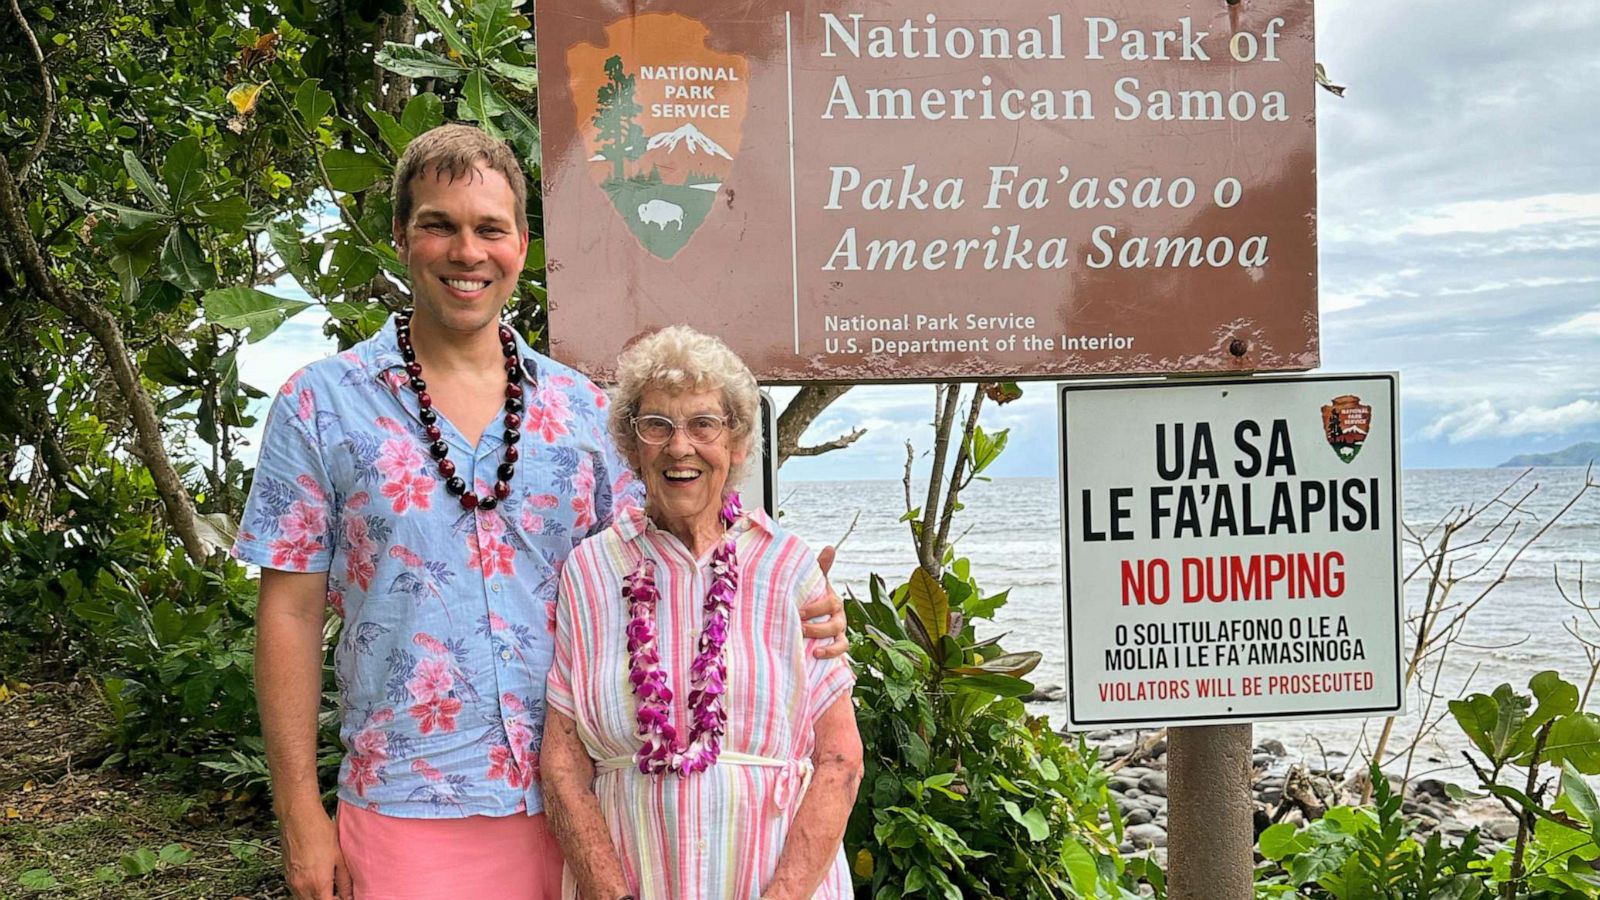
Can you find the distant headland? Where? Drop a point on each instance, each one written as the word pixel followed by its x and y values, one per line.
pixel 1576 455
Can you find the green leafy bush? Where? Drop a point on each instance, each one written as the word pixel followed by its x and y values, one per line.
pixel 965 794
pixel 1354 853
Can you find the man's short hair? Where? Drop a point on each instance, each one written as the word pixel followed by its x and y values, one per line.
pixel 454 151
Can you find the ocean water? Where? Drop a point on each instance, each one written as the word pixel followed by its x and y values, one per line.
pixel 1011 530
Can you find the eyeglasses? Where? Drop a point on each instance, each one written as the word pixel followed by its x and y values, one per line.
pixel 657 430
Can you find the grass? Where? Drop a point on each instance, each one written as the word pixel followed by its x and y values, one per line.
pixel 72 828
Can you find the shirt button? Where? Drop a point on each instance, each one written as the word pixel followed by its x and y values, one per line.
pixel 702 845
pixel 505 655
pixel 495 587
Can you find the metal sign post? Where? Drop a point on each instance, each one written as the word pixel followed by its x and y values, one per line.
pixel 1210 815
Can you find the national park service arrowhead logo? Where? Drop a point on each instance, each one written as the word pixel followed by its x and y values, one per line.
pixel 1345 423
pixel 661 115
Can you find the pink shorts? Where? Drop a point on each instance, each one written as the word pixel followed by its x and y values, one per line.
pixel 511 857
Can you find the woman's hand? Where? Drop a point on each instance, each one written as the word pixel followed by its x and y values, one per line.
pixel 823 618
pixel 819 823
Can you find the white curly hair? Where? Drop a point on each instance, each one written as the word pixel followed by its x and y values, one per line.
pixel 680 360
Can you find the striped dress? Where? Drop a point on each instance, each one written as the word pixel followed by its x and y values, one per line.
pixel 717 834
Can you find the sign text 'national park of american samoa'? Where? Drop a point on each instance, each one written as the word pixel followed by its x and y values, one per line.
pixel 911 191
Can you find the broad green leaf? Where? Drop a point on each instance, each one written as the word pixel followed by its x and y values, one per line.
pixel 442 23
pixel 1080 867
pixel 246 308
pixel 139 862
pixel 312 103
pixel 226 214
pixel 1013 664
pixel 38 880
pixel 1460 887
pixel 1582 796
pixel 73 195
pixel 1038 826
pixel 490 19
pixel 287 241
pixel 1001 685
pixel 1282 840
pixel 525 77
pixel 1555 697
pixel 184 171
pixel 929 604
pixel 479 102
pixel 350 171
pixel 422 112
pixel 183 263
pixel 175 854
pixel 414 62
pixel 165 363
pixel 1575 739
pixel 143 181
pixel 394 135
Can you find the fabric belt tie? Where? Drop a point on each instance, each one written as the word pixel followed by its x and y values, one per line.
pixel 790 786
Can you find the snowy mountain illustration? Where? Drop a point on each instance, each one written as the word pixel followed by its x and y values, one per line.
pixel 690 137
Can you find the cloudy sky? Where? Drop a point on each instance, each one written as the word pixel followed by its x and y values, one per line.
pixel 1459 228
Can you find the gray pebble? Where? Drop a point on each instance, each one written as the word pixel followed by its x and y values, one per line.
pixel 1140 816
pixel 1154 783
pixel 1148 835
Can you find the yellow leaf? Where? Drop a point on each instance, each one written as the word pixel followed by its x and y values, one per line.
pixel 5 693
pixel 864 864
pixel 12 813
pixel 27 786
pixel 243 97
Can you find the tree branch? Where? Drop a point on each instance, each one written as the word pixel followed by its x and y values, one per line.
pixel 801 411
pixel 108 334
pixel 47 117
pixel 838 443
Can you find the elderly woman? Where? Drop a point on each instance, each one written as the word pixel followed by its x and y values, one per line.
pixel 694 748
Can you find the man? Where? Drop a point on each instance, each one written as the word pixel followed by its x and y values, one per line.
pixel 428 484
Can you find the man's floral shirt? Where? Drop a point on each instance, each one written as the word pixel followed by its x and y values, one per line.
pixel 448 615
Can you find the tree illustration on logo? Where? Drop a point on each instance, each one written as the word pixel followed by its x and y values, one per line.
pixel 621 138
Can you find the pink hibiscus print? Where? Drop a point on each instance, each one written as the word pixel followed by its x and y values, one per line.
pixel 363 772
pixel 294 555
pixel 426 770
pixel 371 742
pixel 531 522
pixel 304 520
pixel 399 457
pixel 430 680
pixel 409 490
pixel 502 766
pixel 490 555
pixel 550 616
pixel 336 600
pixel 439 713
pixel 307 408
pixel 583 495
pixel 548 415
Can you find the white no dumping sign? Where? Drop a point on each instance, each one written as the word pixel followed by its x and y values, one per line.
pixel 1231 550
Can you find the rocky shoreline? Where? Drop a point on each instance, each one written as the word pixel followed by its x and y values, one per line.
pixel 1285 791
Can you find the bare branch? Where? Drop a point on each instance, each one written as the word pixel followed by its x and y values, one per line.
pixel 838 443
pixel 48 115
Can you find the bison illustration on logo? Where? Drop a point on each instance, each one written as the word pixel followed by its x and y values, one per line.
pixel 660 114
pixel 1345 423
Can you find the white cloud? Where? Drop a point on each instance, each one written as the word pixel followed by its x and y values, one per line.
pixel 1483 420
pixel 1586 325
pixel 1490 216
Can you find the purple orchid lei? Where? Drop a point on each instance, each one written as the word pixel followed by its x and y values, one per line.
pixel 662 751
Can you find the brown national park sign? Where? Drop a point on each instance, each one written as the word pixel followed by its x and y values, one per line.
pixel 915 191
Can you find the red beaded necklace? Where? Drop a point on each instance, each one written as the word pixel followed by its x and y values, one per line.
pixel 440 450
